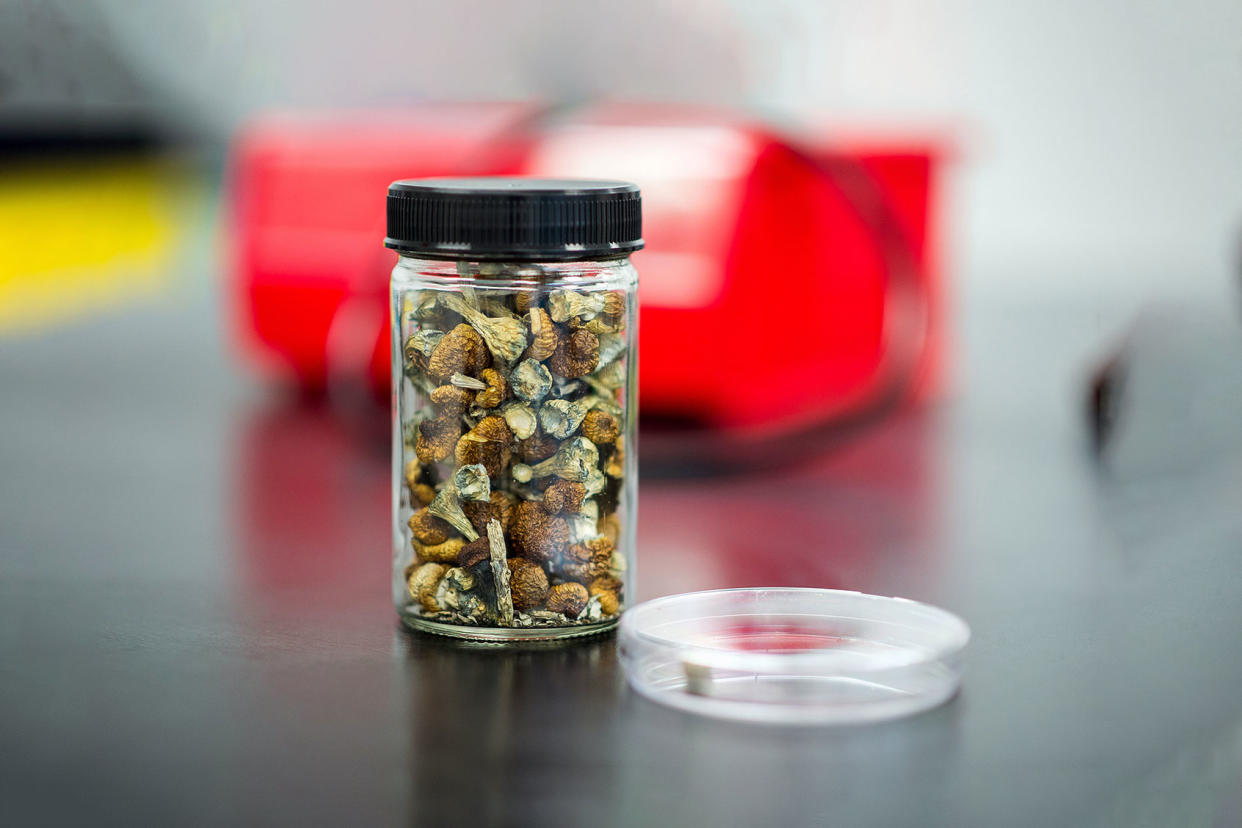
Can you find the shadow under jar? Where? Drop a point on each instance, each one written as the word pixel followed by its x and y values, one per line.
pixel 514 379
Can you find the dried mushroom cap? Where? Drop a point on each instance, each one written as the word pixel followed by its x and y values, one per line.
pixel 411 472
pixel 436 439
pixel 581 526
pixel 583 562
pixel 505 336
pixel 419 345
pixel 528 584
pixel 539 447
pixel 605 583
pixel 569 599
pixel 447 507
pixel 521 419
pixel 523 302
pixel 450 400
pixel 612 375
pixel 564 305
pixel 609 603
pixel 530 381
pixel 498 507
pixel 460 351
pixel 576 354
pixel 428 529
pixel 614 303
pixel 574 460
pixel 616 463
pixel 487 443
pixel 611 346
pixel 472 483
pixel 422 584
pixel 495 390
pixel 422 493
pixel 599 427
pixel 542 333
pixel 473 552
pixel 535 534
pixel 440 552
pixel 599 547
pixel 561 418
pixel 563 496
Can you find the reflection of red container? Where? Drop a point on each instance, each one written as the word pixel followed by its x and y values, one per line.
pixel 782 283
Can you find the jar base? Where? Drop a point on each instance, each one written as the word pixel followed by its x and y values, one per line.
pixel 506 635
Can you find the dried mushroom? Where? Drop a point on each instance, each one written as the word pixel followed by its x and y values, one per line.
pixel 609 583
pixel 574 460
pixel 530 381
pixel 576 354
pixel 498 507
pixel 436 439
pixel 494 392
pixel 528 584
pixel 563 496
pixel 611 346
pixel 569 599
pixel 539 447
pixel 500 573
pixel 445 552
pixel 474 552
pixel 616 463
pixel 418 348
pixel 611 376
pixel 600 428
pixel 460 351
pixel 564 305
pixel 583 562
pixel 472 483
pixel 447 506
pixel 561 418
pixel 521 419
pixel 428 529
pixel 543 335
pixel 422 493
pixel 505 336
pixel 609 603
pixel 450 401
pixel 488 444
pixel 535 534
pixel 422 584
pixel 614 303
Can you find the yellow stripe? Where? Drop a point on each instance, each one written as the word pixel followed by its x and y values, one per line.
pixel 76 237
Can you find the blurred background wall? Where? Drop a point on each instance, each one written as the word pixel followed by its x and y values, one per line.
pixel 1100 134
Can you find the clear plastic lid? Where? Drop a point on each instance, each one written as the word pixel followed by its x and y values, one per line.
pixel 793 655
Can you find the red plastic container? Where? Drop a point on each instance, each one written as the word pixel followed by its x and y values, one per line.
pixel 820 254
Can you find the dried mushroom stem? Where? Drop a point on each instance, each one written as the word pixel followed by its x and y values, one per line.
pixel 447 507
pixel 500 572
pixel 505 335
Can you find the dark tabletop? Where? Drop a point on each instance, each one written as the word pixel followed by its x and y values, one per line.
pixel 195 622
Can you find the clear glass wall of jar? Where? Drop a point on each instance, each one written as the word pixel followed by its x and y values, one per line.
pixel 513 445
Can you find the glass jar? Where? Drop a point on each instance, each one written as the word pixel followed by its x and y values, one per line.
pixel 514 382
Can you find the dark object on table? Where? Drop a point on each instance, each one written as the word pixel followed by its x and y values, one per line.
pixel 1168 401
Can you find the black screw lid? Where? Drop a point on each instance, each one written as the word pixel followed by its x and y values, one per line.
pixel 516 219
